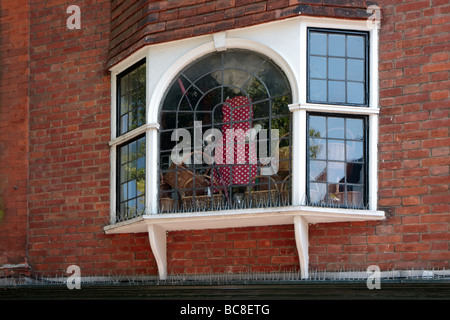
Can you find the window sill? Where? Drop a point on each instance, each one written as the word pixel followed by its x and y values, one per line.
pixel 157 225
pixel 242 218
pixel 331 108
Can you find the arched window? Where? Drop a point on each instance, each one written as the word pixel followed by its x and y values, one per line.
pixel 225 135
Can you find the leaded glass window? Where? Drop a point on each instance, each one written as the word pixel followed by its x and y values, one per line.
pixel 225 135
pixel 337 67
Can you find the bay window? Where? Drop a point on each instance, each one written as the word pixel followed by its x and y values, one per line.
pixel 266 125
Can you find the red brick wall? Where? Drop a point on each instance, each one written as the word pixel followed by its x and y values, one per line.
pixel 14 72
pixel 138 23
pixel 69 121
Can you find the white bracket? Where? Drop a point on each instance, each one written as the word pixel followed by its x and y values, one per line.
pixel 301 240
pixel 158 243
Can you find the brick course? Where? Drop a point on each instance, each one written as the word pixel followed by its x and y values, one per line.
pixel 55 129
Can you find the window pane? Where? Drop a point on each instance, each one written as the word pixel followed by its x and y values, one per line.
pixel 318 43
pixel 317 126
pixel 355 196
pixel 317 192
pixel 335 127
pixel 354 129
pixel 355 152
pixel 318 67
pixel 355 92
pixel 318 90
pixel 355 70
pixel 336 91
pixel 317 171
pixel 336 68
pixel 336 150
pixel 336 172
pixel 355 173
pixel 317 148
pixel 355 46
pixel 336 45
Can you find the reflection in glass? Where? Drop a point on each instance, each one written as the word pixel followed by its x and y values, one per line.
pixel 132 178
pixel 317 192
pixel 336 161
pixel 131 105
pixel 317 170
pixel 336 150
pixel 355 152
pixel 354 129
pixel 317 148
pixel 355 173
pixel 317 126
pixel 335 172
pixel 335 127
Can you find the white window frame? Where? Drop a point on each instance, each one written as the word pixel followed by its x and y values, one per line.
pixel 165 61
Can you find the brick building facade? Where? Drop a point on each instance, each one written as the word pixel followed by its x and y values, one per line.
pixel 55 133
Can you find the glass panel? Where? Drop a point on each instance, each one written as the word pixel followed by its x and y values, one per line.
pixel 336 150
pixel 273 79
pixel 318 43
pixel 335 127
pixel 317 148
pixel 354 129
pixel 124 173
pixel 140 205
pixel 318 90
pixel 336 68
pixel 131 189
pixel 124 124
pixel 124 104
pixel 355 196
pixel 131 105
pixel 355 70
pixel 355 46
pixel 317 192
pixel 123 192
pixel 317 170
pixel 336 91
pixel 355 152
pixel 355 173
pixel 318 67
pixel 336 172
pixel 336 45
pixel 355 92
pixel 124 154
pixel 317 126
pixel 242 60
pixel 256 90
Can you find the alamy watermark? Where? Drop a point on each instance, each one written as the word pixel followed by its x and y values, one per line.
pixel 74 280
pixel 374 277
pixel 74 20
